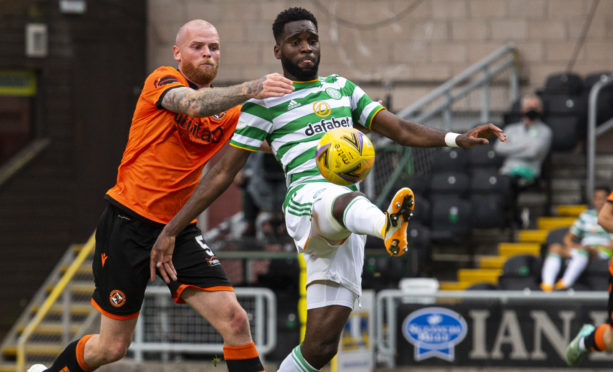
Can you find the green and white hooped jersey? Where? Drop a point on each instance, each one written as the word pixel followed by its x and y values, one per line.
pixel 586 227
pixel 294 123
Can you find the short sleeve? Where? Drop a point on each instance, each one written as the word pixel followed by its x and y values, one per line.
pixel 159 82
pixel 254 125
pixel 363 108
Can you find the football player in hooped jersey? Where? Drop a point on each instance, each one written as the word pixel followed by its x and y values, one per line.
pixel 179 123
pixel 328 222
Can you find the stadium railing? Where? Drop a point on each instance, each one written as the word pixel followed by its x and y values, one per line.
pixel 593 132
pixel 166 329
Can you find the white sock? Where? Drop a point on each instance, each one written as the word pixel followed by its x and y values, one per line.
pixel 582 343
pixel 295 362
pixel 551 268
pixel 363 217
pixel 576 265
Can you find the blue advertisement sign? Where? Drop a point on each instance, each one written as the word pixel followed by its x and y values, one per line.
pixel 434 332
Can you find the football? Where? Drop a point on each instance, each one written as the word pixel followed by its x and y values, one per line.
pixel 345 156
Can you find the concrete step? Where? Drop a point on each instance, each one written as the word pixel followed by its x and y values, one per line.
pixel 567 210
pixel 532 236
pixel 78 308
pixel 51 328
pixel 479 275
pixel 550 223
pixel 512 249
pixel 453 286
pixel 35 348
pixel 82 288
pixel 492 262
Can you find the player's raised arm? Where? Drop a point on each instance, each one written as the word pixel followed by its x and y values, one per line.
pixel 215 182
pixel 210 101
pixel 408 133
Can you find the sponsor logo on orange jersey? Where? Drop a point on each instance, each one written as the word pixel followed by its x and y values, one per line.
pixel 220 115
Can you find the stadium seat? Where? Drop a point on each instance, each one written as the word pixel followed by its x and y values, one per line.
pixel 418 183
pixel 451 217
pixel 564 83
pixel 520 272
pixel 566 116
pixel 419 249
pixel 449 183
pixel 449 159
pixel 488 180
pixel 596 275
pixel 522 265
pixel 418 235
pixel 480 157
pixel 487 211
pixel 490 197
pixel 422 211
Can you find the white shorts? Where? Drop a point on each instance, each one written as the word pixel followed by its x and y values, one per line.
pixel 326 294
pixel 331 252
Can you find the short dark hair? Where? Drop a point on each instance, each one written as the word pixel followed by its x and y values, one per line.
pixel 291 15
pixel 604 188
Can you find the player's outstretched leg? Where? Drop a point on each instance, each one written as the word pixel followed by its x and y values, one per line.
pixel 398 214
pixel 574 352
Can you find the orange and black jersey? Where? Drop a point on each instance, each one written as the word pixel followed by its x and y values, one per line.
pixel 166 151
pixel 610 198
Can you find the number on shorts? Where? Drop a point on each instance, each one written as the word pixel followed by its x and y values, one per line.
pixel 202 243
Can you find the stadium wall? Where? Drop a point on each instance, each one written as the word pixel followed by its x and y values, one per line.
pixel 424 44
pixel 86 89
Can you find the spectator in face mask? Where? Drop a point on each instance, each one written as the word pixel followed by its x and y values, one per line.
pixel 527 145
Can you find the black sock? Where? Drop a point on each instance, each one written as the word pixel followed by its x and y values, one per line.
pixel 242 358
pixel 67 361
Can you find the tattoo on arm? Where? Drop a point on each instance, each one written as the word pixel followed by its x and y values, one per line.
pixel 205 101
pixel 253 88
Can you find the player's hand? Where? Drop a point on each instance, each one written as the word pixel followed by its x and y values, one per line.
pixel 161 258
pixel 480 136
pixel 271 85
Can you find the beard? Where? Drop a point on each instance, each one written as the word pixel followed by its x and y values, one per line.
pixel 198 75
pixel 301 74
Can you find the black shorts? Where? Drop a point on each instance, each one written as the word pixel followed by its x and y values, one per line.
pixel 121 262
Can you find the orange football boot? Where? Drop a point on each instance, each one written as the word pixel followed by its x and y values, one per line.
pixel 398 213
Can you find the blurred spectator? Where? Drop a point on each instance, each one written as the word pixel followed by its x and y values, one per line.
pixel 585 240
pixel 528 143
pixel 250 209
pixel 264 188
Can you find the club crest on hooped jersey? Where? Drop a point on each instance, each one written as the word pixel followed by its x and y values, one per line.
pixel 117 298
pixel 321 109
pixel 333 93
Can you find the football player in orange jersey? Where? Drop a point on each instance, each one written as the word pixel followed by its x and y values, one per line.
pixel 179 123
